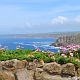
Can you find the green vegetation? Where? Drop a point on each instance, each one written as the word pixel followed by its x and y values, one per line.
pixel 14 54
pixel 62 60
pixel 25 55
pixel 29 55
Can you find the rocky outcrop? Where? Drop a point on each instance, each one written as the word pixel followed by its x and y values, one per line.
pixel 22 74
pixel 52 68
pixel 68 69
pixel 38 74
pixel 78 72
pixel 65 40
pixel 14 64
pixel 23 70
pixel 47 76
pixel 6 75
pixel 30 74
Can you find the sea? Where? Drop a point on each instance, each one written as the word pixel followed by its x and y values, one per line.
pixel 28 43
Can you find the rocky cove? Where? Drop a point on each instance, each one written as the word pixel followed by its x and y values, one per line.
pixel 23 70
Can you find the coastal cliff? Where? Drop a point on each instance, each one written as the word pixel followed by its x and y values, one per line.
pixel 66 40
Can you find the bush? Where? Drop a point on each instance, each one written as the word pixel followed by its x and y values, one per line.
pixel 37 55
pixel 47 59
pixel 76 63
pixel 62 60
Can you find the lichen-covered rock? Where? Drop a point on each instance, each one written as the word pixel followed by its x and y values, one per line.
pixel 14 64
pixel 52 68
pixel 30 66
pixel 40 65
pixel 30 74
pixel 4 75
pixel 8 65
pixel 38 74
pixel 0 66
pixel 78 72
pixel 20 64
pixel 68 69
pixel 21 74
pixel 33 65
pixel 47 76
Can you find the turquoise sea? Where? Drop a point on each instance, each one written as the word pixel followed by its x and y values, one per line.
pixel 28 43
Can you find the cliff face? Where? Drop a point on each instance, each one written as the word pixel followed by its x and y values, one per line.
pixel 65 40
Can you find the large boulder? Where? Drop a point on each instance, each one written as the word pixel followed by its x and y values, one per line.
pixel 40 64
pixel 47 76
pixel 14 64
pixel 0 66
pixel 8 65
pixel 52 68
pixel 38 74
pixel 21 74
pixel 20 64
pixel 30 74
pixel 4 75
pixel 78 72
pixel 68 69
pixel 35 64
pixel 30 66
pixel 42 75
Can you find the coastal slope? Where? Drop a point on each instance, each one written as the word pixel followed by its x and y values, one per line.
pixel 66 40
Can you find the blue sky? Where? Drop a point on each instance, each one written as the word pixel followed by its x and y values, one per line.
pixel 39 16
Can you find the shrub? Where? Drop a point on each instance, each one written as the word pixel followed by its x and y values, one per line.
pixel 47 59
pixel 37 55
pixel 62 60
pixel 76 64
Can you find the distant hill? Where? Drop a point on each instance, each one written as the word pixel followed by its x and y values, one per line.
pixel 69 39
pixel 40 35
pixel 46 35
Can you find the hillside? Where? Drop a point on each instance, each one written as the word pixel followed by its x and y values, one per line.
pixel 69 39
pixel 40 35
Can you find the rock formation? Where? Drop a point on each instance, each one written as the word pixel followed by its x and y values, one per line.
pixel 65 40
pixel 23 70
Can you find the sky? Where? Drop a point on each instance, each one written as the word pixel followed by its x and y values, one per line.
pixel 39 16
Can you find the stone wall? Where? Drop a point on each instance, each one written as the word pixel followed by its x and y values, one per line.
pixel 24 70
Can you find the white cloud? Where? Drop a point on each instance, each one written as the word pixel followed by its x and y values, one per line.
pixel 59 20
pixel 77 19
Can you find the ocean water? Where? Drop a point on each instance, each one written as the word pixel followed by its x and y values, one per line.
pixel 28 43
